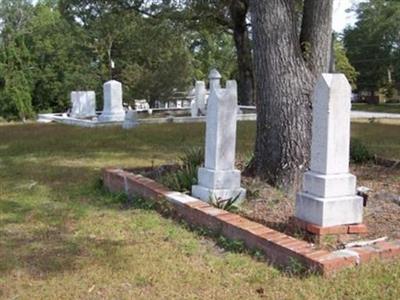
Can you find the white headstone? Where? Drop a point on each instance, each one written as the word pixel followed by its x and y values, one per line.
pixel 329 190
pixel 131 119
pixel 200 96
pixel 113 110
pixel 142 105
pixel 194 110
pixel 83 104
pixel 219 179
pixel 215 79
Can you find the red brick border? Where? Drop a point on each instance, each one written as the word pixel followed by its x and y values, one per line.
pixel 279 248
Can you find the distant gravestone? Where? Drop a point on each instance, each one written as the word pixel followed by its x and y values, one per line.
pixel 200 96
pixel 198 103
pixel 194 110
pixel 329 190
pixel 83 104
pixel 142 105
pixel 219 179
pixel 113 110
pixel 131 119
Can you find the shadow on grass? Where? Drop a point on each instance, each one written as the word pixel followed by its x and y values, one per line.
pixel 37 236
pixel 50 252
pixel 294 269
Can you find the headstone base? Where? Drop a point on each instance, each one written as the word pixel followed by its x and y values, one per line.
pixel 329 211
pixel 218 179
pixel 332 185
pixel 206 194
pixel 116 117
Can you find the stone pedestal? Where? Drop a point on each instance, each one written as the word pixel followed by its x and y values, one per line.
pixel 329 190
pixel 219 179
pixel 83 104
pixel 113 110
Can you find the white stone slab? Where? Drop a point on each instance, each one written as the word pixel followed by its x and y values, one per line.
pixel 180 198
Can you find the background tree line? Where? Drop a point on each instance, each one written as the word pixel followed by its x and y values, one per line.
pixel 53 47
pixel 276 49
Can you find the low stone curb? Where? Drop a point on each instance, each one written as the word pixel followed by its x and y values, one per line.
pixel 280 249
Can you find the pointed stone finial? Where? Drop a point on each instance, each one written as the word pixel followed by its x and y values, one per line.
pixel 215 79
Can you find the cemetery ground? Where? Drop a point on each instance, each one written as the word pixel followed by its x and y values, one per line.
pixel 384 108
pixel 63 236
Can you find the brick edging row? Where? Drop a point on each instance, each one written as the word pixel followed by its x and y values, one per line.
pixel 278 248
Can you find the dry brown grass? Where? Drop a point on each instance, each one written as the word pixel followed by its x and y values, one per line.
pixel 62 237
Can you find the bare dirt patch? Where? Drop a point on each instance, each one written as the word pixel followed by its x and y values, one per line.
pixel 273 208
pixel 269 206
pixel 382 213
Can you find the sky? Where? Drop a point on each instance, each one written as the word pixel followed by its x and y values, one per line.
pixel 340 17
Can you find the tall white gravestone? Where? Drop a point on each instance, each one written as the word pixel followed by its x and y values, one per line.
pixel 83 104
pixel 329 190
pixel 219 178
pixel 113 110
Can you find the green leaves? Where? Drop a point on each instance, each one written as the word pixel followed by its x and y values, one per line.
pixel 373 43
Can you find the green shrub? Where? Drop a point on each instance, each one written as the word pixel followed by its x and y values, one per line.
pixel 228 204
pixel 359 152
pixel 182 179
pixel 193 157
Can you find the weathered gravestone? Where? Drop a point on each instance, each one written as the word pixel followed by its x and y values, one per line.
pixel 219 179
pixel 329 190
pixel 113 110
pixel 200 95
pixel 194 110
pixel 83 104
pixel 131 119
pixel 198 104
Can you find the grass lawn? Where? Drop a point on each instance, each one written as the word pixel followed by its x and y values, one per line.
pixel 63 237
pixel 387 108
pixel 380 139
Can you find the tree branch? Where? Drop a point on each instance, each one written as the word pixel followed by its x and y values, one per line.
pixel 316 30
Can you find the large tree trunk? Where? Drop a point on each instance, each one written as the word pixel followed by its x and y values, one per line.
pixel 286 66
pixel 238 11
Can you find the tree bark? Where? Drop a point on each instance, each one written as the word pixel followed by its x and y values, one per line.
pixel 286 66
pixel 238 11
